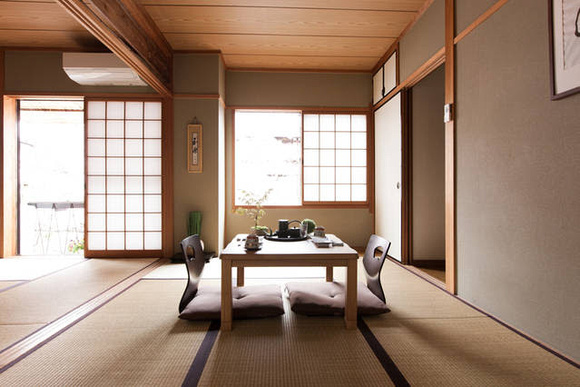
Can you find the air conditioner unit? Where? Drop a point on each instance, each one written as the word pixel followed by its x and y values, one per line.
pixel 99 69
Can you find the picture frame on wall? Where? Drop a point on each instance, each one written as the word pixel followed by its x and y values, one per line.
pixel 194 149
pixel 564 23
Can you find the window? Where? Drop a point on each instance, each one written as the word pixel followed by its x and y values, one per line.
pixel 304 158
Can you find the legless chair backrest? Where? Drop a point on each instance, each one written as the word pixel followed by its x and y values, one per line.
pixel 373 265
pixel 195 261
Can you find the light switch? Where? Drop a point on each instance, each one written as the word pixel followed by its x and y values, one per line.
pixel 447 112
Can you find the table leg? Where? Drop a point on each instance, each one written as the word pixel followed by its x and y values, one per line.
pixel 350 308
pixel 329 274
pixel 226 315
pixel 240 281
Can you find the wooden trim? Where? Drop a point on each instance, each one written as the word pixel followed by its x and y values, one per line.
pixel 392 49
pixel 430 263
pixel 196 96
pixel 108 96
pixel 123 253
pixel 2 154
pixel 306 109
pixel 121 26
pixel 405 178
pixel 54 49
pixel 9 168
pixel 291 70
pixel 450 226
pixel 167 198
pixel 409 146
pixel 486 15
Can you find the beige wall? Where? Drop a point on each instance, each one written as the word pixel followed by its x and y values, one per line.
pixel 428 167
pixel 518 179
pixel 354 226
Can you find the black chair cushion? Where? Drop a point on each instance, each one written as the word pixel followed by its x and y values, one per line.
pixel 248 302
pixel 327 299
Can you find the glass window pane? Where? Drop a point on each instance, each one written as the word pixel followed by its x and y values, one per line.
pixel 359 175
pixel 311 122
pixel 327 193
pixel 134 110
pixel 152 203
pixel 152 110
pixel 327 122
pixel 115 222
pixel 152 129
pixel 343 193
pixel 134 241
pixel 96 222
pixel 115 129
pixel 153 184
pixel 152 222
pixel 115 110
pixel 359 193
pixel 95 203
pixel 134 203
pixel 310 175
pixel 152 166
pixel 343 158
pixel 152 148
pixel 96 110
pixel 343 140
pixel 134 184
pixel 96 241
pixel 134 148
pixel 327 158
pixel 133 129
pixel 115 184
pixel 96 184
pixel 95 147
pixel 359 123
pixel 327 175
pixel 115 166
pixel 134 166
pixel 311 140
pixel 327 140
pixel 96 128
pixel 343 175
pixel 359 158
pixel 343 123
pixel 311 193
pixel 311 157
pixel 134 222
pixel 115 241
pixel 115 203
pixel 96 165
pixel 115 148
pixel 359 140
pixel 153 240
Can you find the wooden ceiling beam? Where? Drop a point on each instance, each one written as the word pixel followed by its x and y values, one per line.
pixel 128 31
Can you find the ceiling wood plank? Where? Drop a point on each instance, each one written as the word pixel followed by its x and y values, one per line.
pixel 279 21
pixel 272 62
pixel 62 40
pixel 114 24
pixel 39 16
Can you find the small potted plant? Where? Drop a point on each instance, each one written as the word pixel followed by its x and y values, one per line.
pixel 253 208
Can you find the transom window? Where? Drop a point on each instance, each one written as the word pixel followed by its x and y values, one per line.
pixel 301 158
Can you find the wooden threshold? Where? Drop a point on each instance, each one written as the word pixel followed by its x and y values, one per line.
pixel 31 343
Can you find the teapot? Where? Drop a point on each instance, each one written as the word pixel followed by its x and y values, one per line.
pixel 284 232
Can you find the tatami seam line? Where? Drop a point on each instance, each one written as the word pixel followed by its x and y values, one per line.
pixel 197 366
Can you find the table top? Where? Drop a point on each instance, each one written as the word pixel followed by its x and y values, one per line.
pixel 276 249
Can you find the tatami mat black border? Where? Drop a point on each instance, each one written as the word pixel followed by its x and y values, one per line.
pixel 195 370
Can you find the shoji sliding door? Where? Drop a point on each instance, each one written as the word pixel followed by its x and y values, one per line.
pixel 123 178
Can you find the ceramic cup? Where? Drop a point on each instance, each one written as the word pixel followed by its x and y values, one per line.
pixel 252 242
pixel 319 231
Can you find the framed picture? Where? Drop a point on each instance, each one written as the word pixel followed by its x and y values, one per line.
pixel 194 149
pixel 564 47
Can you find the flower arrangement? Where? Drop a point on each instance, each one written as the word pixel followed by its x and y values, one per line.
pixel 253 208
pixel 76 245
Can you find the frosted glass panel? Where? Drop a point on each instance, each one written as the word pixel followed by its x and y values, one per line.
pixel 152 147
pixel 115 110
pixel 96 165
pixel 311 157
pixel 115 222
pixel 134 184
pixel 152 203
pixel 115 129
pixel 327 140
pixel 115 241
pixel 310 175
pixel 152 222
pixel 342 123
pixel 96 110
pixel 134 222
pixel 134 148
pixel 133 129
pixel 96 203
pixel 134 110
pixel 343 158
pixel 134 203
pixel 359 175
pixel 311 193
pixel 153 184
pixel 115 166
pixel 95 147
pixel 134 166
pixel 115 203
pixel 359 193
pixel 134 241
pixel 152 129
pixel 153 240
pixel 152 166
pixel 327 175
pixel 96 241
pixel 152 110
pixel 359 158
pixel 115 147
pixel 96 222
pixel 343 193
pixel 311 140
pixel 327 193
pixel 115 185
pixel 327 157
pixel 359 140
pixel 96 128
pixel 359 123
pixel 342 175
pixel 327 122
pixel 96 185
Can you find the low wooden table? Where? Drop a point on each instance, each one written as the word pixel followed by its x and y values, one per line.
pixel 275 253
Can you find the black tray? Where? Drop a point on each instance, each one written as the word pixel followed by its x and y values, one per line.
pixel 288 239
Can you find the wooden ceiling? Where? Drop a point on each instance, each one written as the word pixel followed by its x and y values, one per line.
pixel 336 35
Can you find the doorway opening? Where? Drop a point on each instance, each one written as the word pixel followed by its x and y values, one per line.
pixel 51 177
pixel 427 175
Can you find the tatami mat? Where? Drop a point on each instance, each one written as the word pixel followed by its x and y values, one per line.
pixel 134 340
pixel 11 333
pixel 4 285
pixel 31 267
